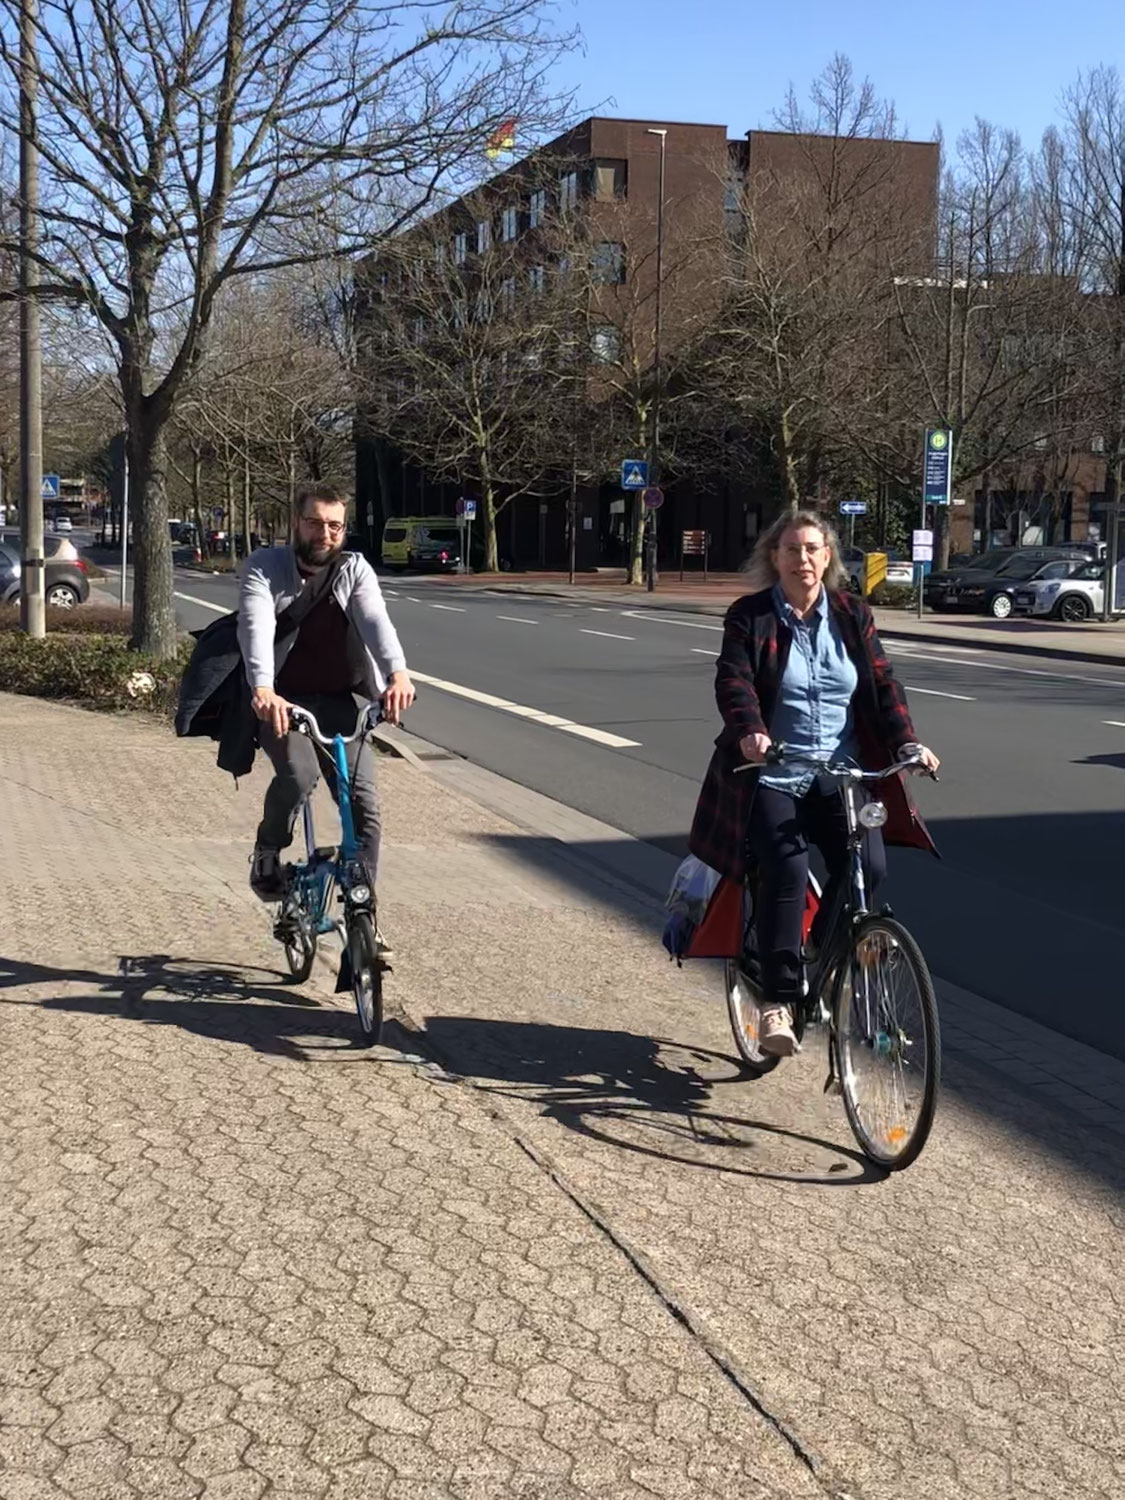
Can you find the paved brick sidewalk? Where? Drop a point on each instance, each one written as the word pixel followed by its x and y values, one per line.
pixel 239 1257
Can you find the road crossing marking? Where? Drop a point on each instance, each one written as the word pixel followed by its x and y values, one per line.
pixel 536 715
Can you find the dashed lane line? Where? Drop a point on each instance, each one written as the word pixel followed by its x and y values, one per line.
pixel 536 715
pixel 608 634
pixel 933 693
pixel 517 620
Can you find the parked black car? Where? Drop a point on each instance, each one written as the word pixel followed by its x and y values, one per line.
pixel 975 585
pixel 66 581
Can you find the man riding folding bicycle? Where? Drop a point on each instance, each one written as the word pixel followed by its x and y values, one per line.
pixel 343 648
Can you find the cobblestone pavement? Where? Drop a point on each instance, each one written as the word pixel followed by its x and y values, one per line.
pixel 238 1257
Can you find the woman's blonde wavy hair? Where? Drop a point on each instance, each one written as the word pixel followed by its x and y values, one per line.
pixel 760 570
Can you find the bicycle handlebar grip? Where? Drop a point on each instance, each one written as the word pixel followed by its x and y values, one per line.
pixel 775 755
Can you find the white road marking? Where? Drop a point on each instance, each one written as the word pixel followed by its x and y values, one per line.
pixel 702 651
pixel 1114 723
pixel 994 666
pixel 933 693
pixel 654 619
pixel 536 715
pixel 609 635
pixel 517 620
pixel 219 609
pixel 454 609
pixel 412 599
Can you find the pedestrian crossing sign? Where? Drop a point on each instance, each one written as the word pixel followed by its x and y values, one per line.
pixel 634 474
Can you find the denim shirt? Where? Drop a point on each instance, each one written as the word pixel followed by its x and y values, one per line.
pixel 813 714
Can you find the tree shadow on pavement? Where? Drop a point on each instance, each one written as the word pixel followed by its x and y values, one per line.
pixel 648 1095
pixel 226 1002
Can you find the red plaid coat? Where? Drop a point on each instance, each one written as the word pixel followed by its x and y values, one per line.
pixel 748 676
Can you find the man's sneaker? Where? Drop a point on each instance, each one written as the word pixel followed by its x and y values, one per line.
pixel 266 879
pixel 775 1031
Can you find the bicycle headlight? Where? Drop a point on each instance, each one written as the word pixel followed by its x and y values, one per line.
pixel 360 895
pixel 873 815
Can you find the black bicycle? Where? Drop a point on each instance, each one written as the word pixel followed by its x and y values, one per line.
pixel 869 985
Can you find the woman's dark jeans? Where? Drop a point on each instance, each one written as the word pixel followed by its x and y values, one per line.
pixel 781 829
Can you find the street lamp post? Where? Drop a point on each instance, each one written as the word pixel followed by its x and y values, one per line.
pixel 32 602
pixel 654 437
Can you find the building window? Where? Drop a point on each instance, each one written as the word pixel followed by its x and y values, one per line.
pixel 460 248
pixel 484 236
pixel 537 208
pixel 510 223
pixel 608 263
pixel 537 277
pixel 483 307
pixel 418 331
pixel 1097 443
pixel 508 294
pixel 605 345
pixel 610 179
pixel 568 190
pixel 440 251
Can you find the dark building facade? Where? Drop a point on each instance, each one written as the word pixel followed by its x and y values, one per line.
pixel 605 163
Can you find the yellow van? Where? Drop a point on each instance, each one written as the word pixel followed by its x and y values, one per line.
pixel 421 542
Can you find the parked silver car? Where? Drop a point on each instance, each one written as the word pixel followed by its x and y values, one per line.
pixel 1073 599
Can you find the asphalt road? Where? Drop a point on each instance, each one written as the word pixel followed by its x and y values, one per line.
pixel 1026 905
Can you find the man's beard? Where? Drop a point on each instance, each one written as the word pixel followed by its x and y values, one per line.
pixel 316 554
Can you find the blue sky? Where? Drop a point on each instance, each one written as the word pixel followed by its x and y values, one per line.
pixel 731 61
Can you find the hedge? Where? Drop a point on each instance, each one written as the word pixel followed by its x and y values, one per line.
pixel 94 670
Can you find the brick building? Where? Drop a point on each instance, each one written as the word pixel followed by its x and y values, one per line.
pixel 605 163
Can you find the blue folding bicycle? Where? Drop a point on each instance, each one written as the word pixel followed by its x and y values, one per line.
pixel 306 914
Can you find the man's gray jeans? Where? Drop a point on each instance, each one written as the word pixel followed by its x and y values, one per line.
pixel 298 765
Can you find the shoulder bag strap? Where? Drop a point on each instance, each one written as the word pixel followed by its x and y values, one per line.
pixel 315 589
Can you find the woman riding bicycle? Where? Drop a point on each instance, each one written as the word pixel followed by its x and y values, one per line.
pixel 802 665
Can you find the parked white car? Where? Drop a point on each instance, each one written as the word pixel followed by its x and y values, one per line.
pixel 900 571
pixel 1079 597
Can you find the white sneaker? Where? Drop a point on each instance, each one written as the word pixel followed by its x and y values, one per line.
pixel 775 1031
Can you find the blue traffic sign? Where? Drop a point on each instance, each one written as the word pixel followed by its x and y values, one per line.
pixel 853 507
pixel 467 509
pixel 50 489
pixel 634 474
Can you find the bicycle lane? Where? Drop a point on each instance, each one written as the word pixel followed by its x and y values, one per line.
pixel 948 1332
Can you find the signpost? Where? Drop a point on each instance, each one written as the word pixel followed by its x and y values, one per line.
pixel 467 511
pixel 937 488
pixel 851 509
pixel 634 474
pixel 695 544
pixel 923 544
pixel 652 497
pixel 51 487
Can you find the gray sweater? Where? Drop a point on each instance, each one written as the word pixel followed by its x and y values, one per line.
pixel 271 581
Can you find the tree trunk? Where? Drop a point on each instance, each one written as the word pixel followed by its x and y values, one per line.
pixel 637 541
pixel 246 527
pixel 488 521
pixel 154 621
pixel 197 502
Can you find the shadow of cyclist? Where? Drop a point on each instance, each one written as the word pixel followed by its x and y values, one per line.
pixel 648 1095
pixel 226 1002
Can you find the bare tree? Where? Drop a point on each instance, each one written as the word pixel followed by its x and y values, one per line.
pixel 183 148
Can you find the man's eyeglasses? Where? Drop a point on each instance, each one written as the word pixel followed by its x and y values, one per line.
pixel 333 528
